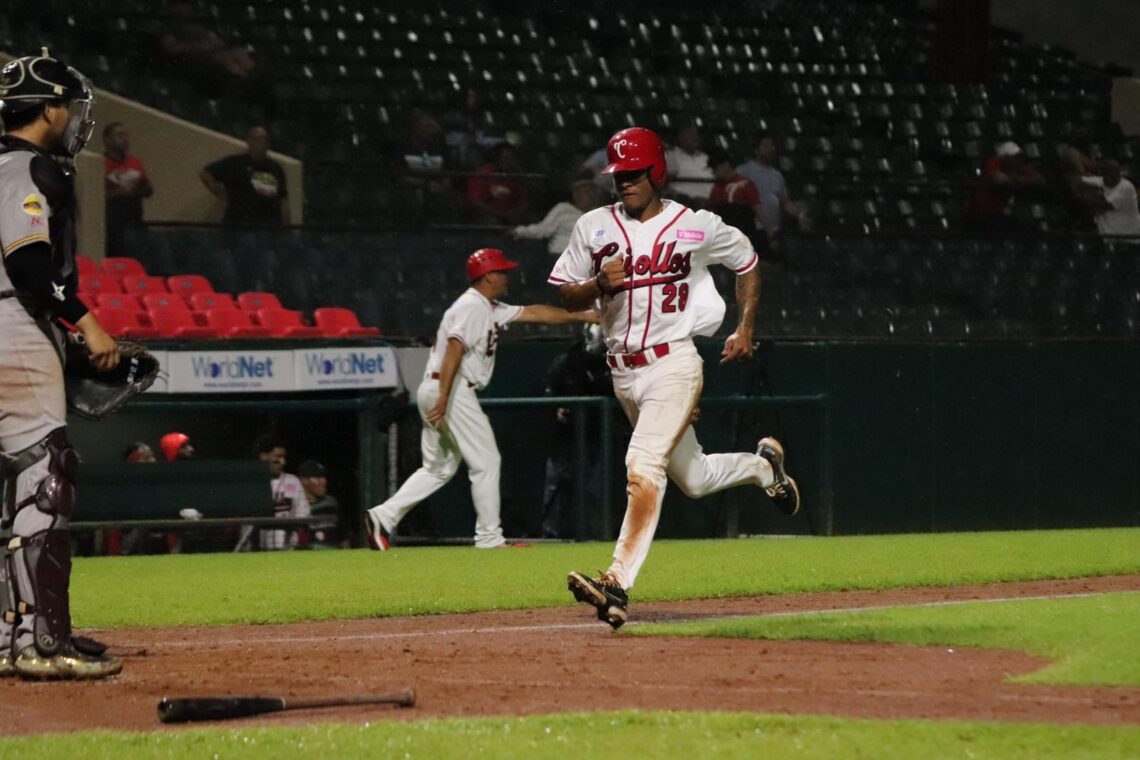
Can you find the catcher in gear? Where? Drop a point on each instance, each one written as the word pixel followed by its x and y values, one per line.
pixel 45 106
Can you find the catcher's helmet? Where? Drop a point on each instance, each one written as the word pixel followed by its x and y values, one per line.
pixel 634 149
pixel 487 260
pixel 37 79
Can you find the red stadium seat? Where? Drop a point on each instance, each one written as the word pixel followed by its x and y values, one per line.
pixel 336 322
pixel 186 284
pixel 233 323
pixel 179 323
pixel 204 301
pixel 99 285
pixel 153 301
pixel 121 266
pixel 119 301
pixel 140 284
pixel 87 267
pixel 121 323
pixel 286 323
pixel 256 301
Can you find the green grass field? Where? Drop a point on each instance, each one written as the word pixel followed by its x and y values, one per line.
pixel 291 586
pixel 1092 640
pixel 680 735
pixel 269 588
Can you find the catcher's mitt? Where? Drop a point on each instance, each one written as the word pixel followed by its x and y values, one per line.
pixel 94 394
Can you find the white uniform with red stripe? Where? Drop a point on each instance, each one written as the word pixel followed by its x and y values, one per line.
pixel 466 432
pixel 668 297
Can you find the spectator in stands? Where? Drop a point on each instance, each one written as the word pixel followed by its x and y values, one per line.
pixel 204 53
pixel 139 452
pixel 558 223
pixel 691 178
pixel 176 446
pixel 1004 178
pixel 771 188
pixel 125 184
pixel 466 142
pixel 1080 197
pixel 286 490
pixel 416 163
pixel 251 184
pixel 1114 203
pixel 498 199
pixel 324 507
pixel 734 197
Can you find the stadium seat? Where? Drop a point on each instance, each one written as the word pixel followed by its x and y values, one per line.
pixel 255 301
pixel 121 323
pixel 206 301
pixel 233 323
pixel 87 266
pixel 156 301
pixel 186 284
pixel 286 323
pixel 142 284
pixel 119 301
pixel 122 266
pixel 179 323
pixel 336 322
pixel 97 285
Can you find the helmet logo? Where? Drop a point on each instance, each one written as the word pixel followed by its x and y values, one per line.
pixel 618 146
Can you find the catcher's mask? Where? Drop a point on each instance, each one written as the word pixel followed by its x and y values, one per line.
pixel 34 81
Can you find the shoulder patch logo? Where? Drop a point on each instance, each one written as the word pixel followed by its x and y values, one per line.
pixel 694 235
pixel 33 205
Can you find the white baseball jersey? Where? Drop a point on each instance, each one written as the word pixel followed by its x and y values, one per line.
pixel 476 322
pixel 668 292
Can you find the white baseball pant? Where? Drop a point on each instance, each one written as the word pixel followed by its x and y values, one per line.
pixel 465 434
pixel 660 399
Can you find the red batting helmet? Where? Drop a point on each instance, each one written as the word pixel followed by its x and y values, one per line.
pixel 488 260
pixel 171 443
pixel 634 149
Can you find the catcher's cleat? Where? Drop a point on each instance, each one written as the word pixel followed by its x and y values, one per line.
pixel 6 666
pixel 783 490
pixel 377 536
pixel 69 664
pixel 604 593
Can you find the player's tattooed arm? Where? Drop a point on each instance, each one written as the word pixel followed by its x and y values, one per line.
pixel 552 315
pixel 739 344
pixel 452 357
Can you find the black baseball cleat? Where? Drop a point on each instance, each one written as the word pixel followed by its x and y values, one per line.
pixel 377 536
pixel 783 490
pixel 604 593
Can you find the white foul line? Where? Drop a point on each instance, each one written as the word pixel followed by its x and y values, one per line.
pixel 592 626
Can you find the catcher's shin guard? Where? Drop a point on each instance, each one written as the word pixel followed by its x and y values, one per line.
pixel 39 500
pixel 8 616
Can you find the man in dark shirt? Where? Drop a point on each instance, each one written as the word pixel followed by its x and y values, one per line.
pixel 252 184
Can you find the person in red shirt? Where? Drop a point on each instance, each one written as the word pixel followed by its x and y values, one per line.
pixel 498 200
pixel 1004 177
pixel 733 197
pixel 126 185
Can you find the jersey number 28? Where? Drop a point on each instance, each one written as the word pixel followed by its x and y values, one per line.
pixel 675 293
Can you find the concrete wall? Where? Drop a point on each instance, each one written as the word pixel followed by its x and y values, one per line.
pixel 173 151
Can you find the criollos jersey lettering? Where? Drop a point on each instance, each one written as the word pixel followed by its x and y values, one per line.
pixel 668 293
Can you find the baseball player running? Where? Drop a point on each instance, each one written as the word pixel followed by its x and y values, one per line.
pixel 46 109
pixel 644 262
pixel 455 427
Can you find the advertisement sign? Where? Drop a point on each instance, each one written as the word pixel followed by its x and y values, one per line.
pixel 230 371
pixel 345 368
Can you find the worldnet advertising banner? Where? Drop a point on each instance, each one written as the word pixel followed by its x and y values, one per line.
pixel 309 369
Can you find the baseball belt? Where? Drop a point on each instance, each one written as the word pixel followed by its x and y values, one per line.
pixel 638 358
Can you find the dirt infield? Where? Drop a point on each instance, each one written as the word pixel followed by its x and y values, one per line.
pixel 556 660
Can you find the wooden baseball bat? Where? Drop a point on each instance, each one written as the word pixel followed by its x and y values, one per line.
pixel 182 710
